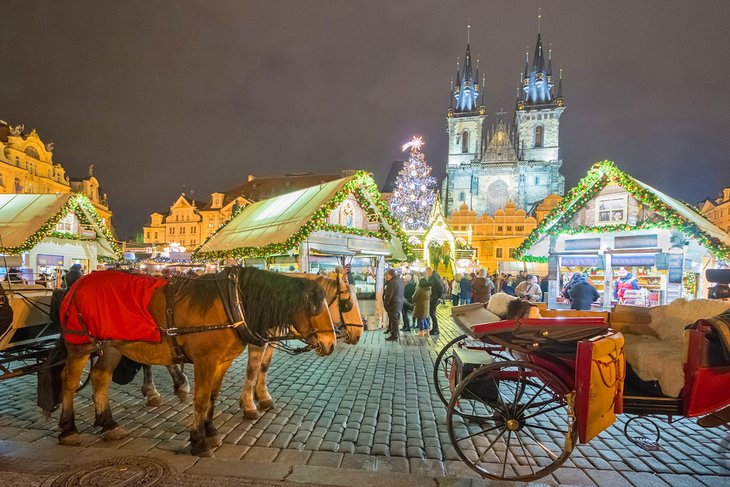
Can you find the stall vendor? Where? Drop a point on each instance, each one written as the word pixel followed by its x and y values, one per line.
pixel 624 282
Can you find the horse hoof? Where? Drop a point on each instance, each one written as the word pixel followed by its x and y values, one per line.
pixel 203 454
pixel 115 434
pixel 182 396
pixel 154 401
pixel 266 404
pixel 72 439
pixel 214 441
pixel 251 414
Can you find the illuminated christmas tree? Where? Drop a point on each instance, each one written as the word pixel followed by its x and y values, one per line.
pixel 414 194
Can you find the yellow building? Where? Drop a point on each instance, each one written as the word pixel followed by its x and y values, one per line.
pixel 27 166
pixel 718 210
pixel 495 238
pixel 190 222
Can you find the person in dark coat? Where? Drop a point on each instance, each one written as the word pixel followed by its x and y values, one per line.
pixel 465 291
pixel 544 285
pixel 421 305
pixel 575 278
pixel 582 295
pixel 481 288
pixel 509 285
pixel 393 302
pixel 437 289
pixel 408 291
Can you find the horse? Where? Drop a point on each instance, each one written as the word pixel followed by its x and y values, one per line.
pixel 272 304
pixel 342 302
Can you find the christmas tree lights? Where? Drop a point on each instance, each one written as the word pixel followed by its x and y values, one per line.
pixel 414 194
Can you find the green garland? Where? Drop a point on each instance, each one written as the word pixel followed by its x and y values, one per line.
pixel 368 197
pixel 600 175
pixel 48 229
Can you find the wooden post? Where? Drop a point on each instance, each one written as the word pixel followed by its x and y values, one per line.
pixel 379 284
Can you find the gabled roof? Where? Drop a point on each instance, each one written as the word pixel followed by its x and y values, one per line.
pixel 26 219
pixel 277 225
pixel 672 212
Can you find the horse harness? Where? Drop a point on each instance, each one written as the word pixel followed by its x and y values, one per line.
pixel 230 297
pixel 343 306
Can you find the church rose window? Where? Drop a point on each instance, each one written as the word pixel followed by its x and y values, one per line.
pixel 465 142
pixel 538 136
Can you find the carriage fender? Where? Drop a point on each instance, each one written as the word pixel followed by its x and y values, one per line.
pixel 599 381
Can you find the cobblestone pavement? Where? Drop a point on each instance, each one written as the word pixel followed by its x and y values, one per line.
pixel 370 408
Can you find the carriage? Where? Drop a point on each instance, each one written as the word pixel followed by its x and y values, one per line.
pixel 522 393
pixel 28 336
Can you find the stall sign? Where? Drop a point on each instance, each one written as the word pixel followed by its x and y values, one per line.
pixel 50 260
pixel 646 260
pixel 583 244
pixel 636 242
pixel 581 261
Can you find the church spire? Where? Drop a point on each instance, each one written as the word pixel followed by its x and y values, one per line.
pixel 537 83
pixel 467 89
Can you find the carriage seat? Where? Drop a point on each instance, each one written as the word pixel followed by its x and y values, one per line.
pixel 654 338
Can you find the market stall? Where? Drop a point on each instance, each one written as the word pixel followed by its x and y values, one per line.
pixel 314 229
pixel 635 244
pixel 47 233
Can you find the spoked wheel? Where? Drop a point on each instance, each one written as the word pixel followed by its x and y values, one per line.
pixel 512 421
pixel 444 362
pixel 86 373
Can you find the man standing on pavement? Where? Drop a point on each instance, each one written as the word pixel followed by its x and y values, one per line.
pixel 408 290
pixel 393 303
pixel 437 289
pixel 528 289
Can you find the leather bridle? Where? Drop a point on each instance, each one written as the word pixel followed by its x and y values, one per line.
pixel 343 306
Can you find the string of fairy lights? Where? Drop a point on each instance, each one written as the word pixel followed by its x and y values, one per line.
pixel 600 175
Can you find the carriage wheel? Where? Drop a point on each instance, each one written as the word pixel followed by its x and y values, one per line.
pixel 444 361
pixel 86 373
pixel 442 369
pixel 512 421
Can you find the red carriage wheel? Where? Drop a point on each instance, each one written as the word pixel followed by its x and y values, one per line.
pixel 512 421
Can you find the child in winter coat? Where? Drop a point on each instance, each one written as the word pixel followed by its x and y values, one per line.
pixel 421 301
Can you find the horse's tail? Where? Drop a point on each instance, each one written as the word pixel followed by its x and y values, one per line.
pixel 49 380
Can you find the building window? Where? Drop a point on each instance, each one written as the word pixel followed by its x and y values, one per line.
pixel 156 237
pixel 538 136
pixel 499 252
pixel 462 196
pixel 612 210
pixel 18 187
pixel 182 230
pixel 500 228
pixel 465 142
pixel 66 223
pixel 511 253
pixel 537 180
pixel 172 230
pixel 192 229
pixel 509 228
pixel 148 235
pixel 519 228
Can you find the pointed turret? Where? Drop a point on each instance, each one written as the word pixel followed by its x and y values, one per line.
pixel 467 89
pixel 537 83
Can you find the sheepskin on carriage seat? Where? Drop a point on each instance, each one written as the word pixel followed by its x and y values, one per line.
pixel 656 359
pixel 662 357
pixel 669 321
pixel 498 304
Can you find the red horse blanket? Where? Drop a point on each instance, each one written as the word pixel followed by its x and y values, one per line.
pixel 113 306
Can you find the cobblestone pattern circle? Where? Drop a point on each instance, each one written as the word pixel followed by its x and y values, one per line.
pixel 116 472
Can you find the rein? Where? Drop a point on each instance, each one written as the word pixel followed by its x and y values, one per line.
pixel 341 302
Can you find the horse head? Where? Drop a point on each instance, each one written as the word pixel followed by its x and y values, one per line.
pixel 313 320
pixel 348 311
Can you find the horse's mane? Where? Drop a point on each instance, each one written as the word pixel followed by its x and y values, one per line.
pixel 269 299
pixel 330 285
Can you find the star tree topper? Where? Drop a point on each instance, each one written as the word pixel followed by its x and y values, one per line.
pixel 415 144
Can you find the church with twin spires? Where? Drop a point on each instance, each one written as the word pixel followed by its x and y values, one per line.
pixel 493 162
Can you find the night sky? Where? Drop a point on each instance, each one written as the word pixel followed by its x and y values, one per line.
pixel 166 96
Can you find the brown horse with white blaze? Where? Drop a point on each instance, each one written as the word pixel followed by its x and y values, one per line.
pixel 272 305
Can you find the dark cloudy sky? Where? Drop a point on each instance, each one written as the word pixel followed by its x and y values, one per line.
pixel 169 96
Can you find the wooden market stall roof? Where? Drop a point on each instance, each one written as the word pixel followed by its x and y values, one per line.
pixel 277 225
pixel 672 214
pixel 27 219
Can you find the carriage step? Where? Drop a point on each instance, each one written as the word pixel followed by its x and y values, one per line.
pixel 652 405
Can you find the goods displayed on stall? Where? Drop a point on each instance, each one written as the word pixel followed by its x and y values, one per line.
pixel 610 224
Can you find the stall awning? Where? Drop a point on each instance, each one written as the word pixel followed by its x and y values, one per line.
pixel 277 225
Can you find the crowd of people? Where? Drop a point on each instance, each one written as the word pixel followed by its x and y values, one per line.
pixel 412 299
